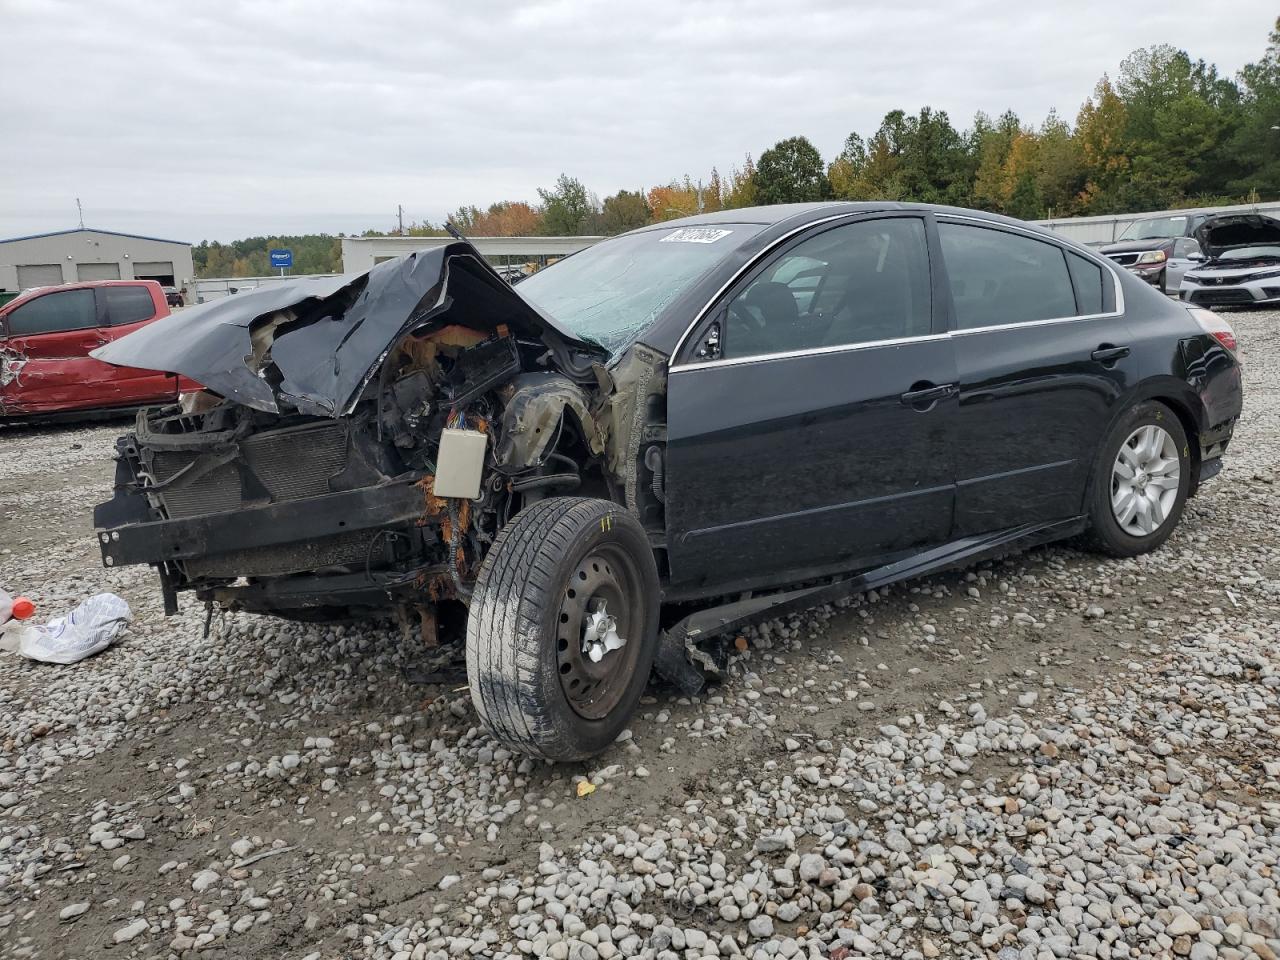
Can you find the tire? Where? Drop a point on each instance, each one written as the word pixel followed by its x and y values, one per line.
pixel 1147 527
pixel 550 571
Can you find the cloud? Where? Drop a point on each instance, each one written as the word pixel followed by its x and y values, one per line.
pixel 229 119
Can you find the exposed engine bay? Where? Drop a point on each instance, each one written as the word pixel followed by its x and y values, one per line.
pixel 360 444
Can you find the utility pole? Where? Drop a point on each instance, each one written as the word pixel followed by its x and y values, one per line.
pixel 80 210
pixel 400 217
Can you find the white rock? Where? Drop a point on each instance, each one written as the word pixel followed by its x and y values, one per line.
pixel 72 911
pixel 130 930
pixel 203 880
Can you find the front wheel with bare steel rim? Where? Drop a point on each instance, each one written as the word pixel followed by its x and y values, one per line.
pixel 562 627
pixel 1140 481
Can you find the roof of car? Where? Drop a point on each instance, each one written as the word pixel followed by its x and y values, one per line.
pixel 775 224
pixel 77 284
pixel 28 293
pixel 801 213
pixel 775 213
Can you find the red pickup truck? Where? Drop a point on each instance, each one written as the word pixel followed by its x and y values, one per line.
pixel 45 338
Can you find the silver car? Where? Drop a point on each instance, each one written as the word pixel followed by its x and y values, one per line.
pixel 1242 265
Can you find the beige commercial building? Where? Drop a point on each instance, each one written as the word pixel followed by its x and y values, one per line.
pixel 67 256
pixel 362 253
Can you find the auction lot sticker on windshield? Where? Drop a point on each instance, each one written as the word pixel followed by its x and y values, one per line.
pixel 695 235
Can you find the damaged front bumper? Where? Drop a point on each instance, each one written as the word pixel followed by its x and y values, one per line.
pixel 256 525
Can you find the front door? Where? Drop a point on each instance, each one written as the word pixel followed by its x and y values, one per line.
pixel 46 344
pixel 1043 354
pixel 817 437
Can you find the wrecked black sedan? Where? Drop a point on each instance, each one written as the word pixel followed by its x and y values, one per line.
pixel 648 444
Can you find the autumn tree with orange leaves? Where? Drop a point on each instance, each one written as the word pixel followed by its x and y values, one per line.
pixel 1169 131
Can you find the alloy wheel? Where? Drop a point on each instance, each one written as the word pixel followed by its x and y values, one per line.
pixel 1145 480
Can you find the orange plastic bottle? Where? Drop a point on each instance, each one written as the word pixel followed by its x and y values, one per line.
pixel 15 608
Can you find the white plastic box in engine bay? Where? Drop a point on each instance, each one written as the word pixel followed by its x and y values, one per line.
pixel 460 464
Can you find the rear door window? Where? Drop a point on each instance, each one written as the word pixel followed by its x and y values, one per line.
pixel 127 304
pixel 999 278
pixel 54 313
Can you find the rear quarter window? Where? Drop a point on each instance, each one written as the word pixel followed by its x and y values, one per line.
pixel 1087 278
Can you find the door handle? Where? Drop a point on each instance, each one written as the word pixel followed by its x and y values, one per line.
pixel 924 395
pixel 1106 353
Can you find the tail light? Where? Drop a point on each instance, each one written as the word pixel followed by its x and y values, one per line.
pixel 1216 327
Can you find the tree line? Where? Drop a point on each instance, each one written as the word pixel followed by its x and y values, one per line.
pixel 1168 131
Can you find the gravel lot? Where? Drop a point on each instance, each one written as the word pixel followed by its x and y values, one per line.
pixel 1051 756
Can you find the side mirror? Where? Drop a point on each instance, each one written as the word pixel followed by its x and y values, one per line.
pixel 1197 255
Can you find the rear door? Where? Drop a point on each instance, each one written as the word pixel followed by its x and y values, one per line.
pixel 1043 353
pixel 46 344
pixel 817 436
pixel 126 308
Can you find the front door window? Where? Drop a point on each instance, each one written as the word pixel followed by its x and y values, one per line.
pixel 859 283
pixel 54 313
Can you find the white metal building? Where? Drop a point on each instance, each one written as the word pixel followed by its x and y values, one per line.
pixel 362 253
pixel 47 259
pixel 214 288
pixel 1095 231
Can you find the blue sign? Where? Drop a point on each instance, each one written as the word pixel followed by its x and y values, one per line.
pixel 282 258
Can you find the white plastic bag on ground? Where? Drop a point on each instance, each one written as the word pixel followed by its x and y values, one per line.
pixel 88 629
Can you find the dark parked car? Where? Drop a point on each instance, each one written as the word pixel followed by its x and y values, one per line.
pixel 1243 265
pixel 1159 250
pixel 732 414
pixel 173 297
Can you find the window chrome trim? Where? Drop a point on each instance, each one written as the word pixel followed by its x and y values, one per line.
pixel 750 265
pixel 808 352
pixel 1101 262
pixel 991 328
pixel 1054 241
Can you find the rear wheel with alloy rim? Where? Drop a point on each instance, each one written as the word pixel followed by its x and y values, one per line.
pixel 1140 481
pixel 1144 480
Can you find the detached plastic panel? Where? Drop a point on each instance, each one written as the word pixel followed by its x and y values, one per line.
pixel 460 465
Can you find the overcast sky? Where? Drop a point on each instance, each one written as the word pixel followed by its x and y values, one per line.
pixel 221 120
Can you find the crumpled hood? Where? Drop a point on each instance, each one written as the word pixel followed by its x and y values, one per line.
pixel 316 342
pixel 1220 234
